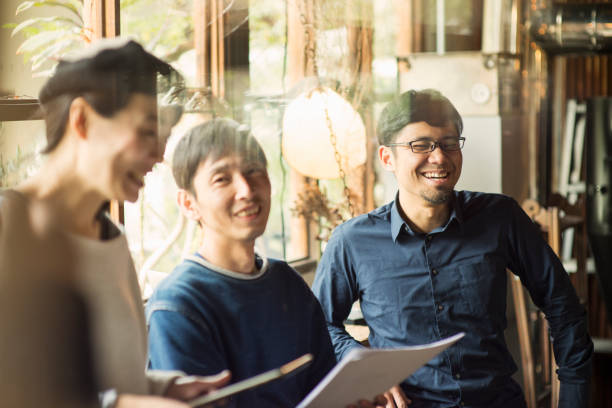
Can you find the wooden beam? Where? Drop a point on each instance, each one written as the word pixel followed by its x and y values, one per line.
pixel 360 39
pixel 93 18
pixel 101 19
pixel 19 109
pixel 200 24
pixel 214 47
pixel 522 323
pixel 299 13
pixel 221 49
pixel 112 19
pixel 403 47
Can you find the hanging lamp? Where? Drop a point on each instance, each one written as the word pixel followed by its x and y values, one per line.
pixel 317 125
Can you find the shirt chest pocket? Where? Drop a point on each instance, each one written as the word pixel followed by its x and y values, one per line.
pixel 483 286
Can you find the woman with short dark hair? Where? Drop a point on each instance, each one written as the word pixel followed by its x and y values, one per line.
pixel 102 138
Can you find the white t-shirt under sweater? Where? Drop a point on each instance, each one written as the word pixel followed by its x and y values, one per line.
pixel 106 278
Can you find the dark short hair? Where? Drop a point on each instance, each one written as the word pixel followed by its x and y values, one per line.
pixel 214 139
pixel 412 106
pixel 106 80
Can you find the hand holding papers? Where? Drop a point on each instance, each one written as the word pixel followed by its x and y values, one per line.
pixel 370 372
pixel 255 381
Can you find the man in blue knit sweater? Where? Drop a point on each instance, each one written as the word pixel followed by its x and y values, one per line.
pixel 225 307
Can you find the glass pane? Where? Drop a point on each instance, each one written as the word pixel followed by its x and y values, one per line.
pixel 20 146
pixel 254 47
pixel 255 89
pixel 462 25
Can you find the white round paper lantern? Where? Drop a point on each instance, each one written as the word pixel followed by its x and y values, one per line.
pixel 306 143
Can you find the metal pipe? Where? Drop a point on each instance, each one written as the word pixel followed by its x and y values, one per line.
pixel 598 195
pixel 573 28
pixel 440 28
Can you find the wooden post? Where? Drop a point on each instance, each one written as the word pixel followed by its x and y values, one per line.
pixel 200 22
pixel 112 19
pixel 520 310
pixel 93 18
pixel 209 20
pixel 112 27
pixel 214 47
pixel 405 29
pixel 221 49
pixel 101 19
pixel 360 38
pixel 300 65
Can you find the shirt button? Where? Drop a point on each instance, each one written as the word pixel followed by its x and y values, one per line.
pixel 457 376
pixel 440 307
pixel 434 271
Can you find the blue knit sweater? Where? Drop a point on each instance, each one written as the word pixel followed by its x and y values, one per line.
pixel 203 319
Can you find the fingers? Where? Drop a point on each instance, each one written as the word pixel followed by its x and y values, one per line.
pixel 217 380
pixel 189 387
pixel 380 400
pixel 393 398
pixel 399 397
pixel 390 402
pixel 208 382
pixel 147 401
pixel 365 404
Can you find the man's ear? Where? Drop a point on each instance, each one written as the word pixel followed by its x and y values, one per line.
pixel 385 155
pixel 78 117
pixel 187 204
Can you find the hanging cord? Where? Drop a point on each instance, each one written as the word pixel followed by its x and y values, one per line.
pixel 280 140
pixel 332 139
pixel 310 53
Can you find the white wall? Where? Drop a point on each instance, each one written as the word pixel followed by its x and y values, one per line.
pixel 482 155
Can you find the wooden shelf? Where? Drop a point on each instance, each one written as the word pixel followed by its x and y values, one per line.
pixel 19 109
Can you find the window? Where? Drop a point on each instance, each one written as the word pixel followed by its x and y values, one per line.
pixel 249 60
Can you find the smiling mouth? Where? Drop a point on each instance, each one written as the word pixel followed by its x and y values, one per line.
pixel 249 212
pixel 435 175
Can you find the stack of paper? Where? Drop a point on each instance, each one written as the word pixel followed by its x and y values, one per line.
pixel 365 373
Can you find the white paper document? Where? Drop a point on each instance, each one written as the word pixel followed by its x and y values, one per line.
pixel 365 373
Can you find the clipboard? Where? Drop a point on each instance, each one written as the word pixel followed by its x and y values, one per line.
pixel 252 382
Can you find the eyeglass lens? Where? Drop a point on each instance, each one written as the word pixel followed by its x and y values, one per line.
pixel 450 144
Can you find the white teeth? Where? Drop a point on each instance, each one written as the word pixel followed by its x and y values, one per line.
pixel 431 174
pixel 247 213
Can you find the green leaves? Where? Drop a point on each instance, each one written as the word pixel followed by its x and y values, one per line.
pixel 74 6
pixel 41 20
pixel 49 38
pixel 39 40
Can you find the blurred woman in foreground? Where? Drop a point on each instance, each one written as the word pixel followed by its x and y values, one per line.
pixel 101 118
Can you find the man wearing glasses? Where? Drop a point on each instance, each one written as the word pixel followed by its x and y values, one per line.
pixel 433 262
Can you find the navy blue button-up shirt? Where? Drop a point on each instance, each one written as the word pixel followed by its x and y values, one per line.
pixel 417 288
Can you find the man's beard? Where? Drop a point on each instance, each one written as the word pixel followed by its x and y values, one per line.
pixel 436 197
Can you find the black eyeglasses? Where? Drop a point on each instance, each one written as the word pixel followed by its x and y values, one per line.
pixel 448 144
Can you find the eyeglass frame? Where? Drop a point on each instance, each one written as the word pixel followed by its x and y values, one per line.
pixel 432 145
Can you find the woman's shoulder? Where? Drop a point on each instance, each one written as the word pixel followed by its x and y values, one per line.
pixel 10 196
pixel 13 206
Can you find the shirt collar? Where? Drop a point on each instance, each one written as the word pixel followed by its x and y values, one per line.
pixel 397 222
pixel 261 266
